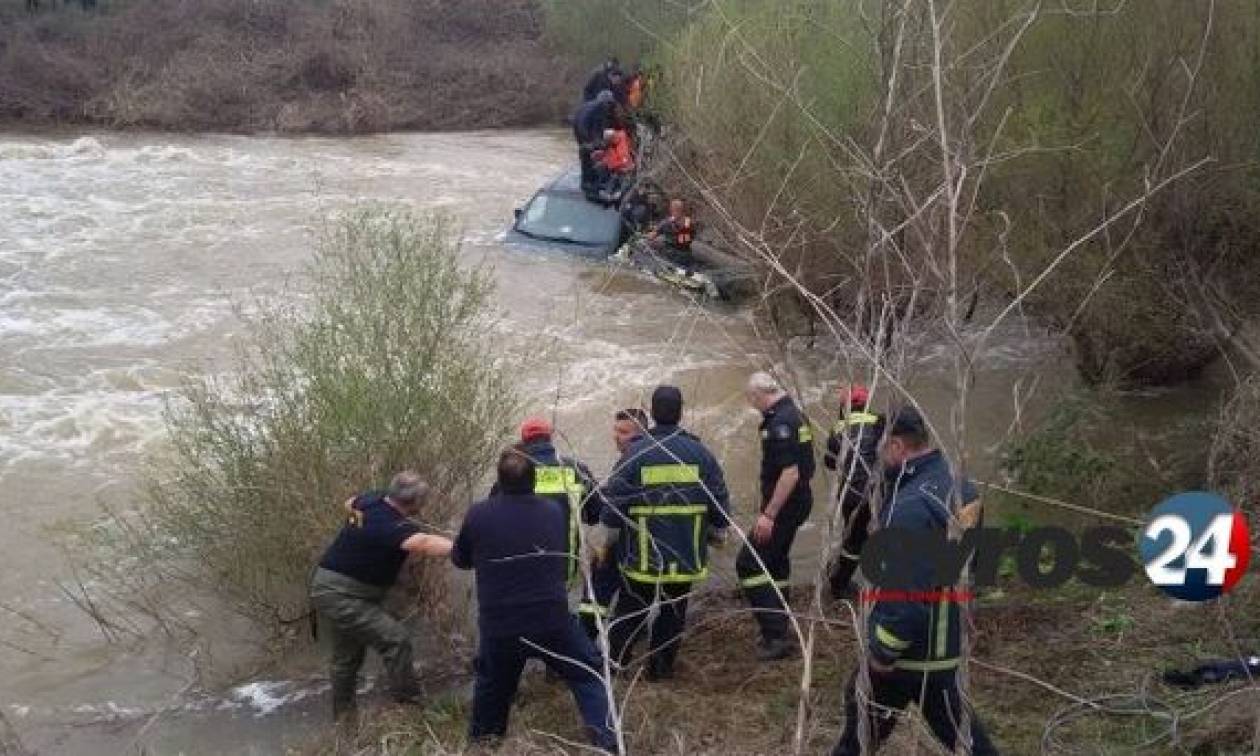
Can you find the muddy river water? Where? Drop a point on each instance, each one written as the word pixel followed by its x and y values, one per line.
pixel 120 259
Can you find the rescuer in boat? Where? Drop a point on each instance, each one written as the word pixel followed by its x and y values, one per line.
pixel 351 581
pixel 913 646
pixel 787 464
pixel 672 236
pixel 518 545
pixel 666 500
pixel 852 452
pixel 590 122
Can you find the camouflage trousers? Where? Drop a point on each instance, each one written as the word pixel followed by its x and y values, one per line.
pixel 353 614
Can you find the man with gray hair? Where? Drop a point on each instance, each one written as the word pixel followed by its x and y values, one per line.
pixel 787 464
pixel 354 575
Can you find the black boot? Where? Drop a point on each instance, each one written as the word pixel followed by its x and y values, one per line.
pixel 775 649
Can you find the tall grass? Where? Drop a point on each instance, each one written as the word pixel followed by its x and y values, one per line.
pixel 381 362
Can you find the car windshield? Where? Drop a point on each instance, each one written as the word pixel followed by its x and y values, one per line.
pixel 572 219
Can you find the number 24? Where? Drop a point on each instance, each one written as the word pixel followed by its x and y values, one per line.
pixel 1217 561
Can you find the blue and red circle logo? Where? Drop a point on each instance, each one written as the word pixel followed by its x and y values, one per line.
pixel 1195 546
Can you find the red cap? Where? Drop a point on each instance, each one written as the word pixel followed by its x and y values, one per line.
pixel 535 427
pixel 858 395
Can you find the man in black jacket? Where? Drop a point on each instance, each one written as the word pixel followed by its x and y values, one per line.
pixel 787 464
pixel 914 640
pixel 852 452
pixel 607 76
pixel 516 543
pixel 589 123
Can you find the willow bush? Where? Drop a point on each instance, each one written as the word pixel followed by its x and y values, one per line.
pixel 382 360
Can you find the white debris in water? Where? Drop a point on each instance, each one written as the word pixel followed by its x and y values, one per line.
pixel 20 711
pixel 265 696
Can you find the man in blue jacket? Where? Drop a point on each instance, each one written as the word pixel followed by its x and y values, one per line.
pixel 516 543
pixel 662 499
pixel 564 480
pixel 913 643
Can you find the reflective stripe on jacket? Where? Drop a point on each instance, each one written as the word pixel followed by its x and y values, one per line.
pixel 663 495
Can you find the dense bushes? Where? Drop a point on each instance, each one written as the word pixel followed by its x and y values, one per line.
pixel 778 112
pixel 245 65
pixel 384 365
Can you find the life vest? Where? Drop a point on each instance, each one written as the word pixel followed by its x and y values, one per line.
pixel 684 233
pixel 634 92
pixel 617 157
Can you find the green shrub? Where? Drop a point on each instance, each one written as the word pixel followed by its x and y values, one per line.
pixel 381 362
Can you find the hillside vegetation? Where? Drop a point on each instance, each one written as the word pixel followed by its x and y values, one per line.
pixel 1056 120
pixel 328 66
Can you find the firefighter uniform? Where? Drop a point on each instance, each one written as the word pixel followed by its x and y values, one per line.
pixel 919 640
pixel 786 441
pixel 852 451
pixel 664 495
pixel 569 482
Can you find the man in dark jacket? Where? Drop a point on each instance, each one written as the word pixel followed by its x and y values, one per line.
pixel 787 464
pixel 628 425
pixel 608 76
pixel 913 645
pixel 354 575
pixel 516 543
pixel 852 452
pixel 564 480
pixel 589 123
pixel 661 500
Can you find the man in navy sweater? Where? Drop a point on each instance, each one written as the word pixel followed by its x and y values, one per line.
pixel 349 587
pixel 516 543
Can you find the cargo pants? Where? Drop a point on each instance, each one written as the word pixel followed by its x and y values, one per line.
pixel 353 614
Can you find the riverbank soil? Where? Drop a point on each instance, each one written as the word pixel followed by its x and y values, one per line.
pixel 269 65
pixel 1108 650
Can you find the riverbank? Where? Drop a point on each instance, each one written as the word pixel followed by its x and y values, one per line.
pixel 1070 671
pixel 249 66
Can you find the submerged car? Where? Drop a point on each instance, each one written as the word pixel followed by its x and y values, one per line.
pixel 559 216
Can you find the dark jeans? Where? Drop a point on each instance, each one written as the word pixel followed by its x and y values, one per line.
pixel 938 699
pixel 758 586
pixel 857 521
pixel 590 181
pixel 606 581
pixel 568 653
pixel 631 622
pixel 351 611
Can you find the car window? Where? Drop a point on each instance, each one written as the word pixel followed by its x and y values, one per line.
pixel 557 216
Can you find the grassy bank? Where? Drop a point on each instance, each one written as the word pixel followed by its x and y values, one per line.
pixel 325 66
pixel 1107 651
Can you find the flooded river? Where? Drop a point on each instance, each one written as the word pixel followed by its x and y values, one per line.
pixel 120 259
